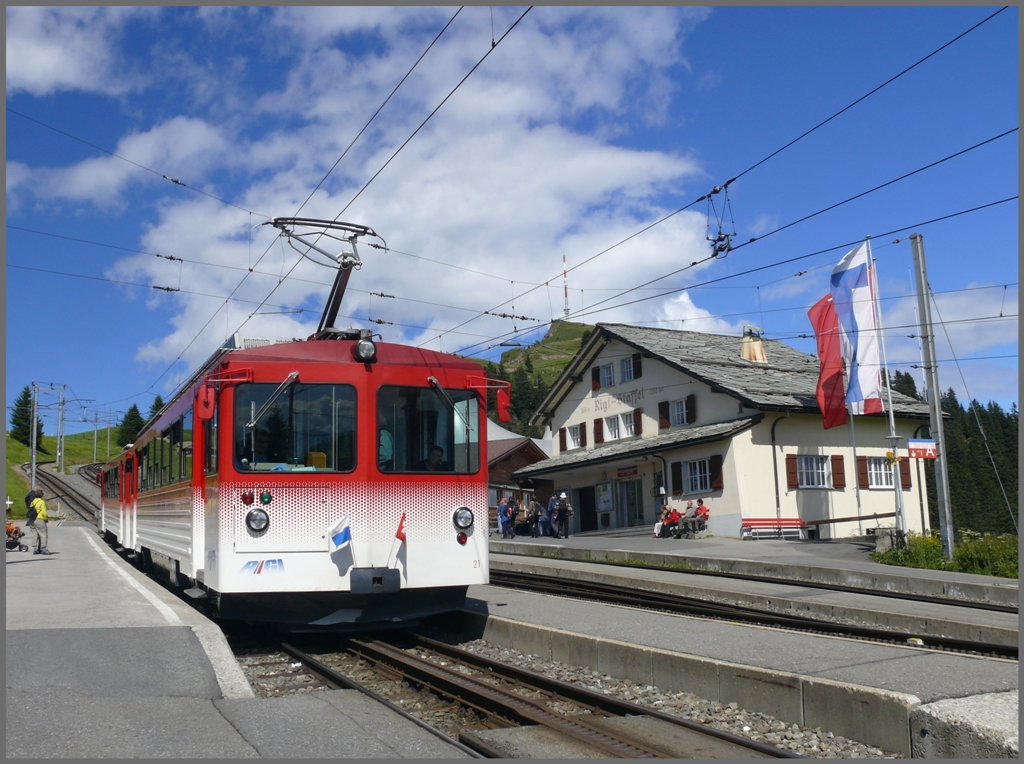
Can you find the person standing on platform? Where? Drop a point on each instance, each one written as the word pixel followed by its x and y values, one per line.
pixel 37 520
pixel 548 522
pixel 533 518
pixel 563 511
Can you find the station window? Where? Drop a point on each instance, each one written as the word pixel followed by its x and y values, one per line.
pixel 626 367
pixel 813 472
pixel 879 473
pixel 679 413
pixel 573 432
pixel 608 375
pixel 698 476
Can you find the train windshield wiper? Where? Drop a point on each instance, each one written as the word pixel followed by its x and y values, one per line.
pixel 290 379
pixel 448 401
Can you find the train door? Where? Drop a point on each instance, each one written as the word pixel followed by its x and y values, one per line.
pixel 206 477
pixel 127 501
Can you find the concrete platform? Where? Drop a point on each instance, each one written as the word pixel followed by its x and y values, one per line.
pixel 845 562
pixel 919 618
pixel 877 694
pixel 103 662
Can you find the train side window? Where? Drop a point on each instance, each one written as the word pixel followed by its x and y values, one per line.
pixel 210 443
pixel 174 433
pixel 186 445
pixel 165 456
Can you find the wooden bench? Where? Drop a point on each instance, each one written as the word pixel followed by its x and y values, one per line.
pixel 772 527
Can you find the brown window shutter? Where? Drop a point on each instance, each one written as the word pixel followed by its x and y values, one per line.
pixel 598 431
pixel 561 439
pixel 595 378
pixel 838 471
pixel 638 422
pixel 637 367
pixel 664 419
pixel 691 408
pixel 677 478
pixel 905 473
pixel 862 472
pixel 715 462
pixel 583 434
pixel 792 479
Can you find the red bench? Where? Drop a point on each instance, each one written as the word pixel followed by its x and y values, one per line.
pixel 771 527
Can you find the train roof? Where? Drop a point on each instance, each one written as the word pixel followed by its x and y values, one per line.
pixel 339 351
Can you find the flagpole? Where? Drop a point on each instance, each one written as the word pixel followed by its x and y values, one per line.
pixel 901 520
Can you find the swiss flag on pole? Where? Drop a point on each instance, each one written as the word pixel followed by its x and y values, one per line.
pixel 830 395
pixel 400 533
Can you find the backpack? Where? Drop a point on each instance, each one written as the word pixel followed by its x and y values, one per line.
pixel 31 515
pixel 29 498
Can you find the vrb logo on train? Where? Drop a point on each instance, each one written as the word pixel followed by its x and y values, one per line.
pixel 256 567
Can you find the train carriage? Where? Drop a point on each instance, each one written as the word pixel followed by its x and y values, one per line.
pixel 314 483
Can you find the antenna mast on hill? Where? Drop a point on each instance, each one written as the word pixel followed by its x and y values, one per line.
pixel 565 285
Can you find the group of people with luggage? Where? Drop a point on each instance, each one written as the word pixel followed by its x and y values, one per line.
pixel 690 523
pixel 552 521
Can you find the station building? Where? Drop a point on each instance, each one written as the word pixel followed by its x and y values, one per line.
pixel 731 420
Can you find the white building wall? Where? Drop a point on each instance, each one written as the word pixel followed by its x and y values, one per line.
pixel 803 434
pixel 658 382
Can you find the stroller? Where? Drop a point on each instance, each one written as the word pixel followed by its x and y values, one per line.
pixel 14 538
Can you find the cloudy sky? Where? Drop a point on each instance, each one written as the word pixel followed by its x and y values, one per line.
pixel 575 132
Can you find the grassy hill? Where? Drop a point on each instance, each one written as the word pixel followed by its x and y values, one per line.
pixel 78 451
pixel 548 356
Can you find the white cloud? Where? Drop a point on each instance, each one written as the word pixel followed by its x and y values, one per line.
pixel 684 314
pixel 55 49
pixel 181 146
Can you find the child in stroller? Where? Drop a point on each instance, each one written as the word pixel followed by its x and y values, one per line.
pixel 14 538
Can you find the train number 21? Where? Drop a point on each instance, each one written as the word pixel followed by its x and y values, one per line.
pixel 476 563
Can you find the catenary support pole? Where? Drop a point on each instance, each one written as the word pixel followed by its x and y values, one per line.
pixel 934 395
pixel 35 431
pixel 95 432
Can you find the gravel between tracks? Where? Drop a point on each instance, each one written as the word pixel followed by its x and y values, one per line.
pixel 806 741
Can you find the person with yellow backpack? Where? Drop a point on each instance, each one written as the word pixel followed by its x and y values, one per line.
pixel 36 518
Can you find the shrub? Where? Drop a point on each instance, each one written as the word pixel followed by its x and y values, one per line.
pixel 987 555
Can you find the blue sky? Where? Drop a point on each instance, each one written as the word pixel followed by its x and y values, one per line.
pixel 582 127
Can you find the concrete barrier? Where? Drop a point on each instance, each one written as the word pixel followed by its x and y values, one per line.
pixel 978 727
pixel 868 715
pixel 893 619
pixel 881 581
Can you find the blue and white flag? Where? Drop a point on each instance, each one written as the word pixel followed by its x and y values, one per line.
pixel 340 534
pixel 853 299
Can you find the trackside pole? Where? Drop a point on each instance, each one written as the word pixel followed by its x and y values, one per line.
pixel 901 520
pixel 932 390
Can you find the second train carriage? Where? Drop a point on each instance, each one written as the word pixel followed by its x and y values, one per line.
pixel 321 483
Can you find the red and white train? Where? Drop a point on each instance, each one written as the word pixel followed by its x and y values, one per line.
pixel 333 482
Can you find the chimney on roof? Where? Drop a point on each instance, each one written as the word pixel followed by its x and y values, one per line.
pixel 751 347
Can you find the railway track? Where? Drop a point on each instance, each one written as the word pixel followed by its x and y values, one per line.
pixel 497 695
pixel 81 505
pixel 632 597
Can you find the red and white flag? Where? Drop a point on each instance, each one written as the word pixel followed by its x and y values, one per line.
pixel 830 394
pixel 400 533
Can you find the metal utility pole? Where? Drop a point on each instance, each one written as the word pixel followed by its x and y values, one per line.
pixel 95 430
pixel 60 431
pixel 35 430
pixel 934 395
pixel 108 432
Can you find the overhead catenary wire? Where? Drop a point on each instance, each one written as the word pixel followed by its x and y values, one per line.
pixel 715 253
pixel 755 269
pixel 774 153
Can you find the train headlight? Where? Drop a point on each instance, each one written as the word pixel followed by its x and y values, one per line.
pixel 365 350
pixel 257 520
pixel 463 518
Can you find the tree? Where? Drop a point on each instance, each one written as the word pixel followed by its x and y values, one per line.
pixel 131 425
pixel 21 420
pixel 903 382
pixel 158 403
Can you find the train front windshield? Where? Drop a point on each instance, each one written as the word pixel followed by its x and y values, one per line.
pixel 424 429
pixel 308 428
